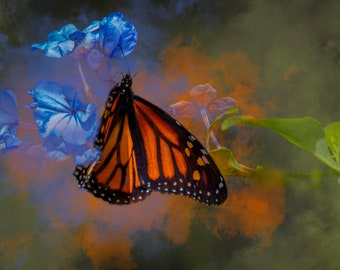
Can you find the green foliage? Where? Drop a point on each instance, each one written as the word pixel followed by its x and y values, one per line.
pixel 228 164
pixel 306 133
pixel 332 132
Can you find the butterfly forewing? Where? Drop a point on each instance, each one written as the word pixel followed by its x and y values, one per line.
pixel 114 176
pixel 142 149
pixel 171 160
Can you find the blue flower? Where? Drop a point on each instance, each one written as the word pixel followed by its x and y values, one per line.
pixel 9 120
pixel 63 120
pixel 58 43
pixel 112 36
pixel 117 37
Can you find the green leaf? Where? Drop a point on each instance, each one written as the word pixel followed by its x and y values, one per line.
pixel 306 133
pixel 332 132
pixel 228 164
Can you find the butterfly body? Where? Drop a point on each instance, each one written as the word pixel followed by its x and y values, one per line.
pixel 143 149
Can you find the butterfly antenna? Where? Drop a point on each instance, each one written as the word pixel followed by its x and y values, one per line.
pixel 110 80
pixel 125 58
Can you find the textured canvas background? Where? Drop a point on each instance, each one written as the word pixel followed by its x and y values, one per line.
pixel 276 58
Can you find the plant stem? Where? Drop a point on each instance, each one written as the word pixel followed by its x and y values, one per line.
pixel 309 175
pixel 207 125
pixel 87 88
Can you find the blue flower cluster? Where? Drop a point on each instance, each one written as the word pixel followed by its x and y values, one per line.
pixel 112 37
pixel 67 124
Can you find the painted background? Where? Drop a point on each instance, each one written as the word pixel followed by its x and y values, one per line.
pixel 276 58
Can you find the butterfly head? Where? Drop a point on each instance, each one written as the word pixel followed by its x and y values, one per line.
pixel 126 82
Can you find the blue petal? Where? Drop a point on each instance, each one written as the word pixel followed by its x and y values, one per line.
pixel 63 33
pixel 76 129
pixel 93 27
pixel 58 43
pixel 77 36
pixel 9 141
pixel 84 154
pixel 86 40
pixel 55 148
pixel 8 108
pixel 9 120
pixel 127 42
pixel 55 49
pixel 58 149
pixel 85 45
pixel 117 37
pixel 49 95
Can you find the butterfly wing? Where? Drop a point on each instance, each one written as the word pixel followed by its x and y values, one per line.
pixel 170 159
pixel 114 176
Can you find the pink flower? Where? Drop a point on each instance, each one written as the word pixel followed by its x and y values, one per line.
pixel 203 104
pixel 202 101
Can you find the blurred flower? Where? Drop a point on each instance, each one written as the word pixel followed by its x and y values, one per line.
pixel 57 149
pixel 202 102
pixel 9 120
pixel 63 120
pixel 112 36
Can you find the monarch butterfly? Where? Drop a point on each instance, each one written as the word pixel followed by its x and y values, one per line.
pixel 144 149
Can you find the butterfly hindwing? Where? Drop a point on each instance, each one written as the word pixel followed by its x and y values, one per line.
pixel 142 149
